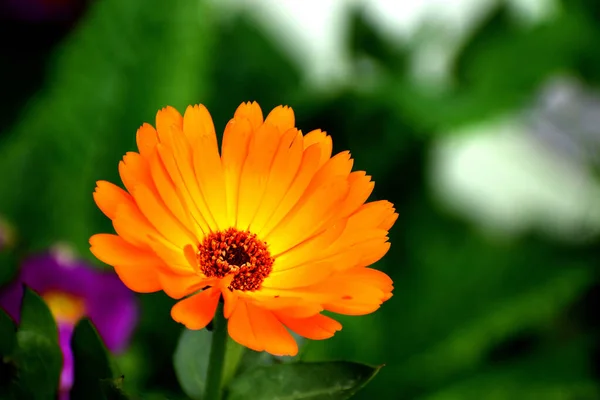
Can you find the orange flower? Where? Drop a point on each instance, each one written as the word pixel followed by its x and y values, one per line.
pixel 273 224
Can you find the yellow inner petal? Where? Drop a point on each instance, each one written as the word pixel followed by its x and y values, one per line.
pixel 64 307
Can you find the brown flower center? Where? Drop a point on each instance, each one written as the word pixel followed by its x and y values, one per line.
pixel 235 252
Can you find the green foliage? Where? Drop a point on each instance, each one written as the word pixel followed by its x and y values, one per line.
pixel 191 361
pixel 302 381
pixel 8 266
pixel 31 370
pixel 95 377
pixel 8 334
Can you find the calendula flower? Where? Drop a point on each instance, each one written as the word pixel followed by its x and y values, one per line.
pixel 273 225
pixel 73 289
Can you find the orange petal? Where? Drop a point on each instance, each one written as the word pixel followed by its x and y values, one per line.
pixel 234 152
pixel 134 170
pixel 139 278
pixel 165 119
pixel 136 268
pixel 240 329
pixel 182 152
pixel 358 291
pixel 173 256
pixel 161 218
pixel 322 141
pixel 308 216
pixel 317 327
pixel 167 191
pixel 251 112
pixel 339 165
pixel 361 188
pixel 109 196
pixel 197 123
pixel 176 157
pixel 282 117
pixel 281 175
pixel 131 225
pixel 306 171
pixel 315 248
pixel 207 163
pixel 371 215
pixel 177 285
pixel 293 307
pixel 146 139
pixel 113 250
pixel 260 330
pixel 230 302
pixel 303 275
pixel 195 312
pixel 254 174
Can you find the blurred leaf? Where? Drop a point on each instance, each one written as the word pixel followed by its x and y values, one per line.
pixel 254 359
pixel 499 68
pixel 8 266
pixel 94 372
pixel 124 62
pixel 250 66
pixel 8 334
pixel 365 40
pixel 38 357
pixel 191 361
pixel 551 374
pixel 306 381
pixel 111 389
pixel 36 316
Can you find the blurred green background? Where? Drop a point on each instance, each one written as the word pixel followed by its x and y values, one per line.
pixel 483 133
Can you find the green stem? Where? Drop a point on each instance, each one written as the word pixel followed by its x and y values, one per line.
pixel 216 359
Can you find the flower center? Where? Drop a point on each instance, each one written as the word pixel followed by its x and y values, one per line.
pixel 235 252
pixel 65 307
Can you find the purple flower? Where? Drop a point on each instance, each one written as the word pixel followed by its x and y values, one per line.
pixel 73 289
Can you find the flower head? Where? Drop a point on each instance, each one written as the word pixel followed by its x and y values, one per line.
pixel 273 224
pixel 73 289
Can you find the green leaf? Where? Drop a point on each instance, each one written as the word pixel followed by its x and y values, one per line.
pixel 302 381
pixel 39 362
pixel 191 361
pixel 8 334
pixel 8 266
pixel 94 374
pixel 36 316
pixel 37 358
pixel 253 359
pixel 366 40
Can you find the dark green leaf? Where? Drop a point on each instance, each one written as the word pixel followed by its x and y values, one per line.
pixel 36 317
pixel 366 40
pixel 39 362
pixel 33 369
pixel 93 369
pixel 8 266
pixel 253 359
pixel 191 361
pixel 111 389
pixel 302 381
pixel 8 334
